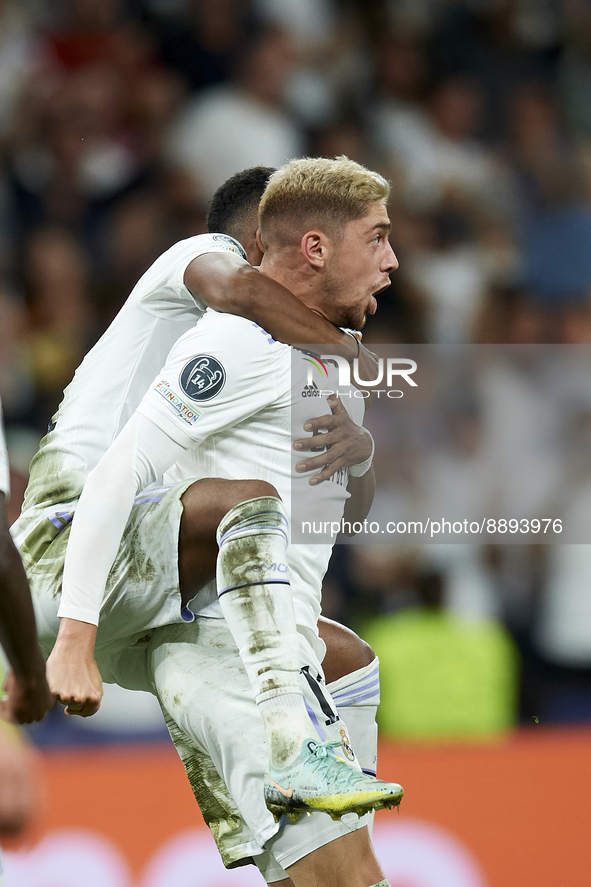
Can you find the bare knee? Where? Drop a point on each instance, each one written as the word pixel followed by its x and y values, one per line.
pixel 253 489
pixel 343 638
pixel 206 501
pixel 346 652
pixel 243 491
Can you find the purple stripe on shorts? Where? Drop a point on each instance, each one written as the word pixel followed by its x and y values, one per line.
pixel 60 519
pixel 353 699
pixel 355 689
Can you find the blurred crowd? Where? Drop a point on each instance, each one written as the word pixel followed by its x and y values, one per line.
pixel 119 118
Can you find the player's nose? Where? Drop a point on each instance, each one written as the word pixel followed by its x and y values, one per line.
pixel 390 262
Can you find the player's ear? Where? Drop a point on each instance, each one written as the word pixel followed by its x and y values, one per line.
pixel 314 247
pixel 259 241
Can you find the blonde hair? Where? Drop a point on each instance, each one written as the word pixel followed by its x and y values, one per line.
pixel 317 193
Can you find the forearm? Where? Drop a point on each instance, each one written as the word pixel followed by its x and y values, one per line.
pixel 362 491
pixel 287 319
pixel 76 637
pixel 232 286
pixel 18 633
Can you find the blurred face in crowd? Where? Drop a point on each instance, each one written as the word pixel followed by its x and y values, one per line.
pixel 266 66
pixel 457 107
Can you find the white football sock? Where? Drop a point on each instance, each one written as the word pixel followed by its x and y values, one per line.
pixel 255 598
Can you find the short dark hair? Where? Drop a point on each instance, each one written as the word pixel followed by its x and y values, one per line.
pixel 236 199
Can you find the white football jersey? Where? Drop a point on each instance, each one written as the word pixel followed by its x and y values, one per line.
pixel 236 399
pixel 4 472
pixel 115 374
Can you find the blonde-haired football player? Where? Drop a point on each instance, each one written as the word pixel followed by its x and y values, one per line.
pixel 223 406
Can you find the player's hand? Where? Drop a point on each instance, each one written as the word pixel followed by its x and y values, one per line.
pixel 16 785
pixel 72 673
pixel 75 683
pixel 347 443
pixel 27 700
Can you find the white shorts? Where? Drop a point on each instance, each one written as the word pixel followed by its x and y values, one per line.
pixel 212 717
pixel 143 586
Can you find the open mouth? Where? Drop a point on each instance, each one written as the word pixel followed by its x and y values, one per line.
pixel 373 302
pixel 384 287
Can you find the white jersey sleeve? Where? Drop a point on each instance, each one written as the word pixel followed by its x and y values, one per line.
pixel 219 373
pixel 162 291
pixel 4 471
pixel 115 374
pixel 137 457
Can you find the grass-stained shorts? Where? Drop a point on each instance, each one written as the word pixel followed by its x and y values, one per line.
pixel 142 590
pixel 212 717
pixel 195 670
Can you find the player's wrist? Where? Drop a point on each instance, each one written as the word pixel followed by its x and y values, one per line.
pixel 362 468
pixel 33 680
pixel 75 634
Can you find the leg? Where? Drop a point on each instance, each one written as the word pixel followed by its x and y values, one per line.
pixel 254 595
pixel 256 603
pixel 346 652
pixel 205 503
pixel 352 677
pixel 348 861
pixel 207 700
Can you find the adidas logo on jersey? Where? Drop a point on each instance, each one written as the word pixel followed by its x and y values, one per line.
pixel 311 390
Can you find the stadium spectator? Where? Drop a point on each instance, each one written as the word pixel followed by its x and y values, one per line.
pixel 20 53
pixel 554 210
pixel 61 314
pixel 500 43
pixel 200 45
pixel 241 124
